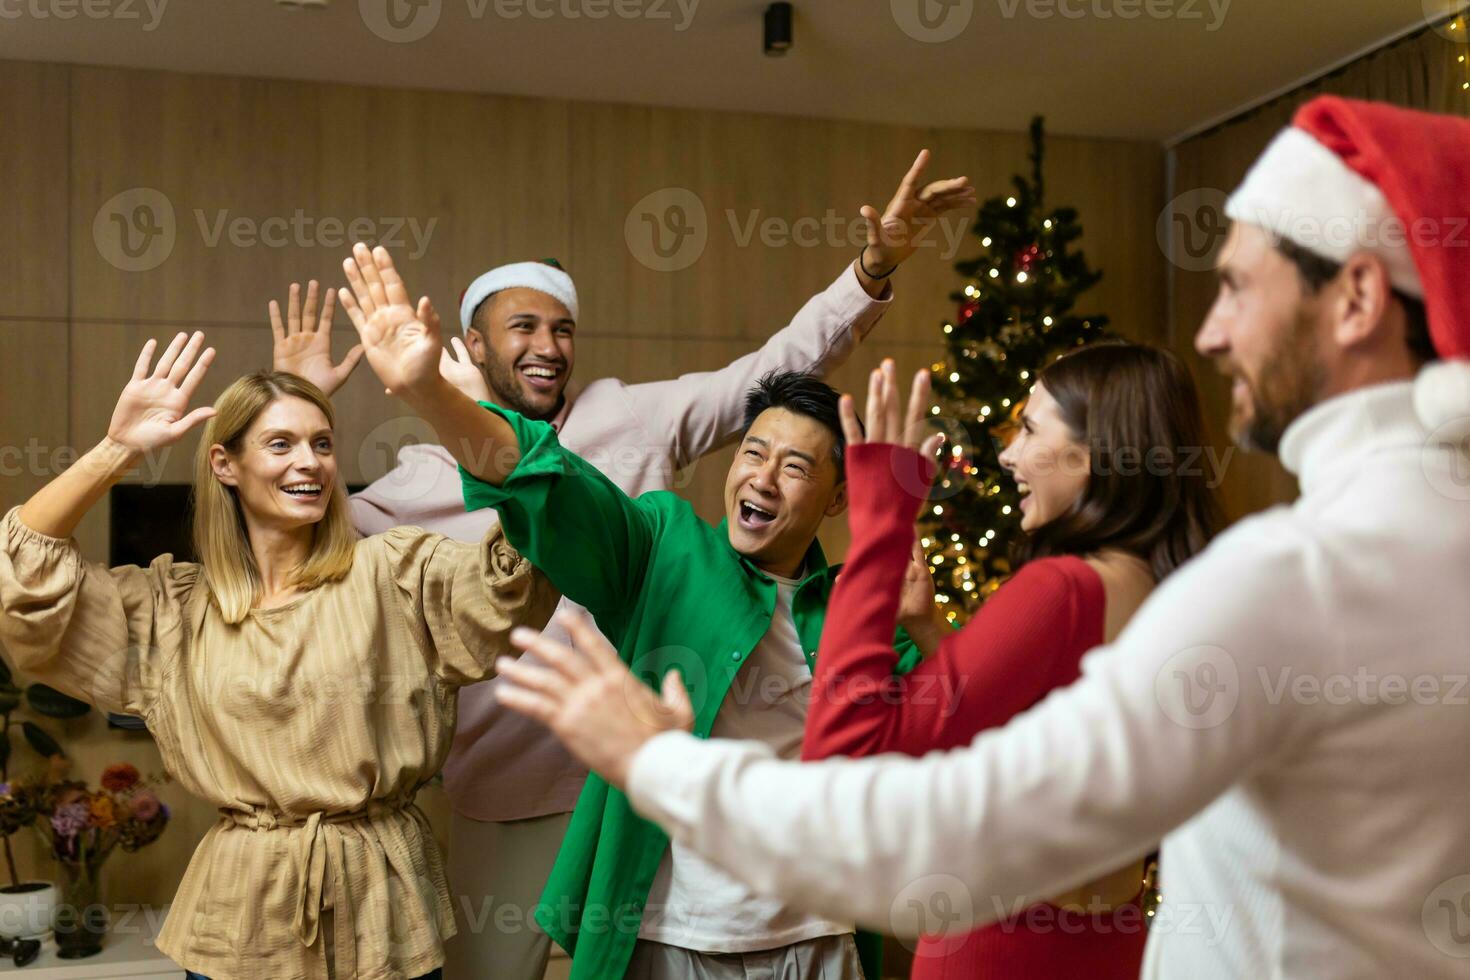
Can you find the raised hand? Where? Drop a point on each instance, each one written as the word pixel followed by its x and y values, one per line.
pixel 462 372
pixel 401 341
pixel 303 343
pixel 588 697
pixel 153 410
pixel 883 421
pixel 893 235
pixel 917 599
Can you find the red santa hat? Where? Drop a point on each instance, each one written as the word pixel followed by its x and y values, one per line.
pixel 1350 176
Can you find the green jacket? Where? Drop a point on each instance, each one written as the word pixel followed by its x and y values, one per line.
pixel 670 592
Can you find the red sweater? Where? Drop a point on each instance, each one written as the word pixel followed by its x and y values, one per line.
pixel 1026 640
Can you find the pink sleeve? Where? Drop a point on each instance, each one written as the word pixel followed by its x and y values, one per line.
pixel 697 413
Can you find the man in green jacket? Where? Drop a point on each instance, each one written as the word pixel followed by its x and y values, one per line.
pixel 736 609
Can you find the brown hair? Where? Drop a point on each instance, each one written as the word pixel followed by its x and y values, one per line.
pixel 1136 409
pixel 220 539
pixel 1316 272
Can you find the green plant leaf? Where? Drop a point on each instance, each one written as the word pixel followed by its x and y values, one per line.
pixel 53 704
pixel 9 699
pixel 5 750
pixel 43 744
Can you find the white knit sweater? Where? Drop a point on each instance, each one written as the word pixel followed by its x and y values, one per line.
pixel 1289 713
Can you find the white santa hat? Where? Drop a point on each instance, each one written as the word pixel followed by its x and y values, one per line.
pixel 545 276
pixel 1350 176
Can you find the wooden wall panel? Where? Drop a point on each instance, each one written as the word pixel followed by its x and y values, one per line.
pixel 500 179
pixel 34 443
pixel 33 173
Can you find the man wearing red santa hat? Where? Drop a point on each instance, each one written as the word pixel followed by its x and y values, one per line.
pixel 1287 713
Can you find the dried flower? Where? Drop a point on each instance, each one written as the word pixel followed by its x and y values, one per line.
pixel 70 819
pixel 120 777
pixel 146 806
pixel 103 811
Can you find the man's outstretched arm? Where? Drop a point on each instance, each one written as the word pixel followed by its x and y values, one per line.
pixel 699 412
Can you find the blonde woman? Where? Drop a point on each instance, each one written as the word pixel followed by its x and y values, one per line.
pixel 302 680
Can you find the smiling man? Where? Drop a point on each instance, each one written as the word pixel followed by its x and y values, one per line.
pixel 510 783
pixel 737 610
pixel 1286 711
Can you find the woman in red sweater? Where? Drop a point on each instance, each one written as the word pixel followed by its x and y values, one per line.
pixel 1106 458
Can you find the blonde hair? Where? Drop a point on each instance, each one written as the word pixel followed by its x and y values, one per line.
pixel 220 538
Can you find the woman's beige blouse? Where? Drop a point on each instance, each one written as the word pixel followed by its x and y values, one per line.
pixel 310 725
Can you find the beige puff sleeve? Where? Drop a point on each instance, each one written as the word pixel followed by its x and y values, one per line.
pixel 102 635
pixel 468 597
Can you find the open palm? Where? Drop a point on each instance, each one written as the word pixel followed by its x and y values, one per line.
pixel 893 235
pixel 153 409
pixel 401 341
pixel 303 341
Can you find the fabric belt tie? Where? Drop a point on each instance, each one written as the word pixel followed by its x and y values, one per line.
pixel 315 853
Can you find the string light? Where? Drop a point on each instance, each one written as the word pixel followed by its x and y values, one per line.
pixel 934 410
pixel 938 509
pixel 995 273
pixel 1046 223
pixel 985 241
pixel 1004 510
pixel 954 376
pixel 1020 277
pixel 949 328
pixel 1046 321
pixel 1010 202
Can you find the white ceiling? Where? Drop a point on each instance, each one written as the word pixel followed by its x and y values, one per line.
pixel 1103 73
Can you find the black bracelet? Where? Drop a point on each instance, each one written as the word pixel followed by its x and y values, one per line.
pixel 863 265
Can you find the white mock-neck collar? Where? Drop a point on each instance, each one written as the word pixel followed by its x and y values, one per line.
pixel 1347 426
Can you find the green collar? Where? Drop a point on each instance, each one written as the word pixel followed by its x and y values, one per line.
pixel 815 560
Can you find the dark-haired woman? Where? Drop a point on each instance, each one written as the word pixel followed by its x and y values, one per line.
pixel 1109 507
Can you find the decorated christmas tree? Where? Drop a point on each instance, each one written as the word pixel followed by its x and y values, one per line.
pixel 1015 316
